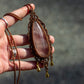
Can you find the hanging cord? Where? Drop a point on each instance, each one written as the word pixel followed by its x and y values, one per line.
pixel 13 57
pixel 13 47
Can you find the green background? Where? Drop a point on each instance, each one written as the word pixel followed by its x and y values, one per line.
pixel 65 21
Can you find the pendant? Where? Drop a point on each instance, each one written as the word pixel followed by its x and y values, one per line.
pixel 39 41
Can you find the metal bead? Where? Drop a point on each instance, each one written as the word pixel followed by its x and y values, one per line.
pixel 47 74
pixel 38 68
pixel 51 63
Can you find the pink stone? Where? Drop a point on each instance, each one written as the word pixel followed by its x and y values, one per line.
pixel 40 40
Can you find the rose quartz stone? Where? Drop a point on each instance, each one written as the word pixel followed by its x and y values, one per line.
pixel 40 40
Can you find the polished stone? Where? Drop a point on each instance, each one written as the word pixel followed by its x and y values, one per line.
pixel 40 40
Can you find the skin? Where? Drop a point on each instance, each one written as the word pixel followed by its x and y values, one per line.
pixel 24 53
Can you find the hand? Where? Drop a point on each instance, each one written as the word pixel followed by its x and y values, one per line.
pixel 20 40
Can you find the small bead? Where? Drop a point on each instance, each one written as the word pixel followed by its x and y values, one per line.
pixel 51 63
pixel 38 68
pixel 47 75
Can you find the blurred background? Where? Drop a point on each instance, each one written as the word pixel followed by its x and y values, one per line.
pixel 65 21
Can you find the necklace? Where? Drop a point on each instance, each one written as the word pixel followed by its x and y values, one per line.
pixel 39 41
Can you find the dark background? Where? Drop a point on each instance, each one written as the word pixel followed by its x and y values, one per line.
pixel 65 21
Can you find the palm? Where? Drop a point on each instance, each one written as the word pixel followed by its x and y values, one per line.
pixel 4 56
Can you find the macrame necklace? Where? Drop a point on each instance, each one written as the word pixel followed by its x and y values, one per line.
pixel 39 41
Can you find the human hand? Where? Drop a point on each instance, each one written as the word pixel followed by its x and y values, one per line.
pixel 20 40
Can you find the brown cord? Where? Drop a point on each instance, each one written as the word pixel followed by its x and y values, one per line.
pixel 29 9
pixel 14 15
pixel 13 57
pixel 17 17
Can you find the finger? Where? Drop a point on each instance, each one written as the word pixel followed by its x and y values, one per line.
pixel 22 40
pixel 21 12
pixel 25 65
pixel 53 49
pixel 52 39
pixel 25 53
